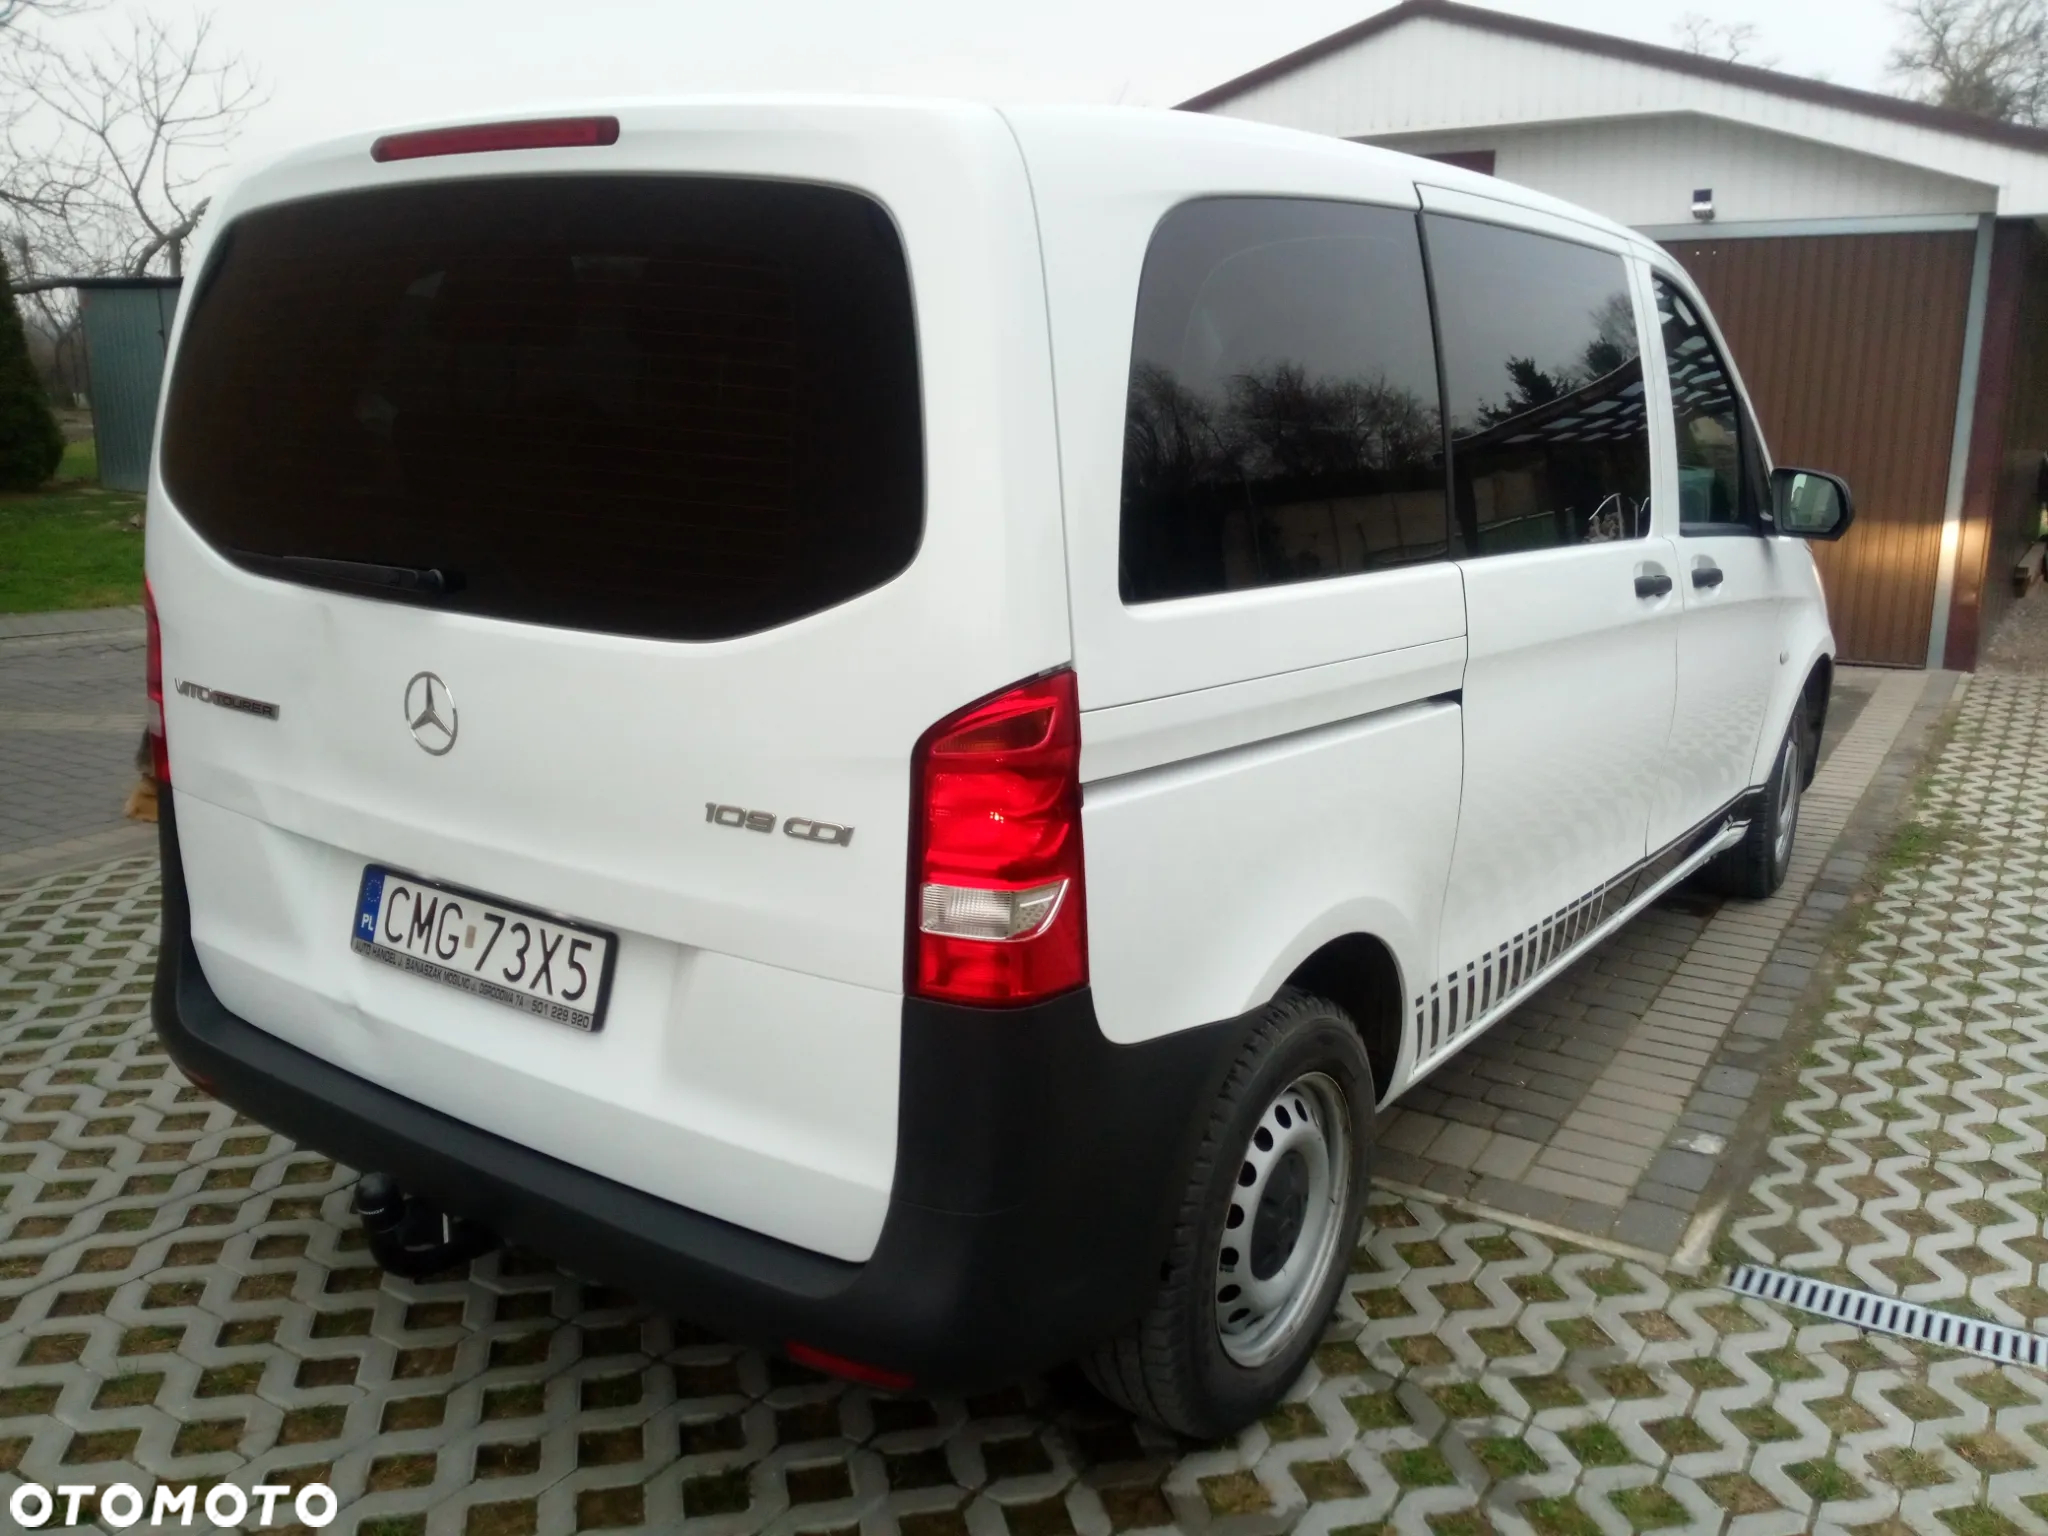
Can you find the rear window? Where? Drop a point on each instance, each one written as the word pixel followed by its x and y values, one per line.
pixel 677 407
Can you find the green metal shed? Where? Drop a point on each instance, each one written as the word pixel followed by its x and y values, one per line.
pixel 127 331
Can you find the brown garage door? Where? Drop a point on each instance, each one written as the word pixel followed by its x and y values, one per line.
pixel 1852 346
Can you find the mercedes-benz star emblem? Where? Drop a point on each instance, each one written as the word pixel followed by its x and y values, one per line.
pixel 430 712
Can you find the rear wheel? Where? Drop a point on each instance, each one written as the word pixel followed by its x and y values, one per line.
pixel 1755 867
pixel 1264 1233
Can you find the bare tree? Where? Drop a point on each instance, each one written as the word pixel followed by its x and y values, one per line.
pixel 14 13
pixel 28 181
pixel 122 141
pixel 1733 41
pixel 1989 57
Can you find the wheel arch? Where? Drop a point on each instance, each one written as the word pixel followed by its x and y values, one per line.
pixel 1808 687
pixel 1814 695
pixel 1360 974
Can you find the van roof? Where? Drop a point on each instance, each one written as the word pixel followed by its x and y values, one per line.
pixel 344 162
pixel 1116 123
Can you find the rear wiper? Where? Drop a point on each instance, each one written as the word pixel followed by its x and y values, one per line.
pixel 408 580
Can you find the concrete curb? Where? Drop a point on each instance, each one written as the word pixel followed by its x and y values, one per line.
pixel 78 621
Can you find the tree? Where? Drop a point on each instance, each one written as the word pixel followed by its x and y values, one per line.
pixel 111 148
pixel 102 155
pixel 31 445
pixel 1614 336
pixel 13 12
pixel 16 16
pixel 1989 57
pixel 1732 41
pixel 28 182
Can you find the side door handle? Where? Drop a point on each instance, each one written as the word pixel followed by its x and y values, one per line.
pixel 1706 575
pixel 1653 586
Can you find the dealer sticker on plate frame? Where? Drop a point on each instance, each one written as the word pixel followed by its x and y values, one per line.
pixel 504 953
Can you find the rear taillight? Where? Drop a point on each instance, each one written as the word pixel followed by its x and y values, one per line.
pixel 153 683
pixel 486 138
pixel 997 912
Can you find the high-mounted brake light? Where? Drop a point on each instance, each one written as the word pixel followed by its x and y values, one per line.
pixel 153 684
pixel 997 914
pixel 483 138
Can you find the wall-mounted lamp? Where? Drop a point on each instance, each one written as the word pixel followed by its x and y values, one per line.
pixel 1703 204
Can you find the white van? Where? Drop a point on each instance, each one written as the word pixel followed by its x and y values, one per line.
pixel 892 724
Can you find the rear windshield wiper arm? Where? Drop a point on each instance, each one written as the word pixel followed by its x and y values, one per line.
pixel 408 580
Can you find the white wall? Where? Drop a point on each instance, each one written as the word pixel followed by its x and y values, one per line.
pixel 1430 76
pixel 1642 171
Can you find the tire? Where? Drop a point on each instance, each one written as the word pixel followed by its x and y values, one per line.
pixel 1755 867
pixel 1235 1318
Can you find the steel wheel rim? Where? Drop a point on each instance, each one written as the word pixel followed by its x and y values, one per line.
pixel 1788 803
pixel 1290 1192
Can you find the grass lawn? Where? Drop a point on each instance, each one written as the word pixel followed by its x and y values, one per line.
pixel 69 545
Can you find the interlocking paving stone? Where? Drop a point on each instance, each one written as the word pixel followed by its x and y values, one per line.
pixel 183 1298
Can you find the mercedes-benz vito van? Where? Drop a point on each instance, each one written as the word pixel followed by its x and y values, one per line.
pixel 892 724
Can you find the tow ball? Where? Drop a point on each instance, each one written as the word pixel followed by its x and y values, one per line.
pixel 413 1237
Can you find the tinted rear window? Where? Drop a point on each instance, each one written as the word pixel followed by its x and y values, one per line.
pixel 678 407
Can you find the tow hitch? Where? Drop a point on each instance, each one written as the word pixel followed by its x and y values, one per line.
pixel 412 1237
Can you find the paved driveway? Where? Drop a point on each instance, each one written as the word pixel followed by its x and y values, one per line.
pixel 183 1298
pixel 1606 1103
pixel 71 711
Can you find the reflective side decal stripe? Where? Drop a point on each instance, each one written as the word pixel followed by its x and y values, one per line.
pixel 1483 988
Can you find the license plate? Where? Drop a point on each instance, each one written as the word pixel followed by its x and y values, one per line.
pixel 542 965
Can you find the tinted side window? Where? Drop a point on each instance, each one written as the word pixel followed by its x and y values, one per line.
pixel 1720 462
pixel 1544 380
pixel 1282 421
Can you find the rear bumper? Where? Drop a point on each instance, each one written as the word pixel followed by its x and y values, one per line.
pixel 1037 1166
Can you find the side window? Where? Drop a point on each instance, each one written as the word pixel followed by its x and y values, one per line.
pixel 1720 461
pixel 1282 422
pixel 1543 378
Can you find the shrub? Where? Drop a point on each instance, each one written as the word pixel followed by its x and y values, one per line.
pixel 31 444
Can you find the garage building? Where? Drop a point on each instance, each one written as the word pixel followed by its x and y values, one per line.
pixel 1879 266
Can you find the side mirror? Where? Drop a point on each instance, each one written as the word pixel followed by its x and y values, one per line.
pixel 1811 504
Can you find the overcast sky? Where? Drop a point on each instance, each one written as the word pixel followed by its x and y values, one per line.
pixel 336 65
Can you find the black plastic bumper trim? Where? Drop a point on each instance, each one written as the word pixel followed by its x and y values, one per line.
pixel 1037 1168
